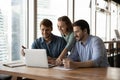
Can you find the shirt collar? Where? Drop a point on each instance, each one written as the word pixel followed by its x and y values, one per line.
pixel 87 41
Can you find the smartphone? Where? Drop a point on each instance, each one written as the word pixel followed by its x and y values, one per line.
pixel 23 47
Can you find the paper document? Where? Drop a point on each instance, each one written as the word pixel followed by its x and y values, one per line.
pixel 61 68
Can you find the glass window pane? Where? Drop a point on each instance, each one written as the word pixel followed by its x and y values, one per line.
pixel 101 25
pixel 101 19
pixel 51 9
pixel 12 28
pixel 82 10
pixel 113 19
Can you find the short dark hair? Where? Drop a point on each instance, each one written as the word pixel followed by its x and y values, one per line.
pixel 47 23
pixel 82 24
pixel 67 22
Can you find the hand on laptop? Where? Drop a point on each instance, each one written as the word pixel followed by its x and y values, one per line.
pixel 22 51
pixel 51 60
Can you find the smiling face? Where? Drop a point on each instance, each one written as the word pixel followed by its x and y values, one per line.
pixel 78 33
pixel 45 31
pixel 62 27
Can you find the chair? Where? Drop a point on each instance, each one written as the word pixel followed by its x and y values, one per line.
pixel 113 52
pixel 110 52
pixel 117 55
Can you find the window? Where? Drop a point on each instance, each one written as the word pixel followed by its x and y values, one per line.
pixel 51 9
pixel 101 18
pixel 113 19
pixel 20 20
pixel 3 39
pixel 82 10
pixel 12 28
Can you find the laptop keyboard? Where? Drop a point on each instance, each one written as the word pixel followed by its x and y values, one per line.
pixel 51 65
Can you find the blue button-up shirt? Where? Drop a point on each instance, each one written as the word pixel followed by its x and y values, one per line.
pixel 93 49
pixel 54 48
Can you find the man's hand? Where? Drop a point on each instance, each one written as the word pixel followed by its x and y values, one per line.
pixel 58 61
pixel 51 60
pixel 22 51
pixel 69 64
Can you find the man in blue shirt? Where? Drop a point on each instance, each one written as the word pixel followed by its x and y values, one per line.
pixel 52 43
pixel 89 51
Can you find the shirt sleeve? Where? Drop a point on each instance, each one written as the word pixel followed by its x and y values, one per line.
pixel 62 44
pixel 74 55
pixel 99 52
pixel 35 44
pixel 70 42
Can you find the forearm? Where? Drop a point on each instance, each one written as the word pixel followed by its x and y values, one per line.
pixel 63 53
pixel 84 64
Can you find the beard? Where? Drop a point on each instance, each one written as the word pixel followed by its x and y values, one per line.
pixel 79 38
pixel 47 36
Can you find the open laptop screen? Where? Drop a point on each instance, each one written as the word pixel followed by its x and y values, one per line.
pixel 36 58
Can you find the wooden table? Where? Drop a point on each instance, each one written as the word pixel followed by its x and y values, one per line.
pixel 109 73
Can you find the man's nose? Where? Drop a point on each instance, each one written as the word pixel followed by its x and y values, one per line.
pixel 44 31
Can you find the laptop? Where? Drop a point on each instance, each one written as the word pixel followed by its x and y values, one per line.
pixel 117 34
pixel 36 58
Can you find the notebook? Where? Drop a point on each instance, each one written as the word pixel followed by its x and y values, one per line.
pixel 12 64
pixel 36 58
